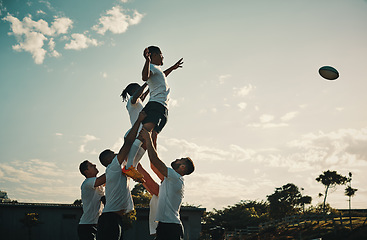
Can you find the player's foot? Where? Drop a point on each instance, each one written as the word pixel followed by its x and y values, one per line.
pixel 134 174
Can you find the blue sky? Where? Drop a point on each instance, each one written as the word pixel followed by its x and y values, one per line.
pixel 248 106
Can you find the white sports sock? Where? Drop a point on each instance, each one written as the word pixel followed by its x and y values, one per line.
pixel 138 156
pixel 132 153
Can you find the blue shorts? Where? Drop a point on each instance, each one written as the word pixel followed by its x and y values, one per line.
pixel 157 114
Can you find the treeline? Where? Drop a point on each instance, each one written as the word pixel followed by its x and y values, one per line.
pixel 286 200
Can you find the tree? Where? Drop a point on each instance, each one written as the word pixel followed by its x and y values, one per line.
pixel 77 202
pixel 140 196
pixel 305 200
pixel 318 209
pixel 330 179
pixel 350 192
pixel 240 215
pixel 285 201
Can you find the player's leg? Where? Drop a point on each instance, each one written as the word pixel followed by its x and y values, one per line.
pixel 136 146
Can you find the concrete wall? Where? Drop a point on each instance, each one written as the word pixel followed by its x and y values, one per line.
pixel 60 221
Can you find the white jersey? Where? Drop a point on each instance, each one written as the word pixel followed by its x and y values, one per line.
pixel 134 109
pixel 91 199
pixel 158 87
pixel 118 196
pixel 171 193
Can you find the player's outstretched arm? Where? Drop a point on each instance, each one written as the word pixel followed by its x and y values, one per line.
pixel 100 180
pixel 130 138
pixel 152 153
pixel 149 184
pixel 178 64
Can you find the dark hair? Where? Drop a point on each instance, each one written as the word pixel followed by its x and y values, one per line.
pixel 103 155
pixel 83 166
pixel 130 89
pixel 154 49
pixel 190 167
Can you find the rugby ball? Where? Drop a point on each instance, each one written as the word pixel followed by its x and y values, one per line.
pixel 328 73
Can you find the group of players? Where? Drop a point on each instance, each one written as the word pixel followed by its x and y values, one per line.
pixel 104 221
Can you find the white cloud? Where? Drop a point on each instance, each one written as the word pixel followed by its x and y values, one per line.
pixel 47 3
pixel 117 145
pixel 207 153
pixel 51 45
pixel 244 91
pixel 173 103
pixel 289 116
pixel 31 35
pixel 40 12
pixel 213 183
pixel 242 106
pixel 88 138
pixel 267 125
pixel 223 78
pixel 310 155
pixel 82 148
pixel 80 41
pixel 85 139
pixel 62 25
pixel 117 21
pixel 266 118
pixel 31 171
pixel 342 143
pixel 59 134
pixel 2 8
pixel 33 44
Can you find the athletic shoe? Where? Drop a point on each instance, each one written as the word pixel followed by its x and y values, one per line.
pixel 134 174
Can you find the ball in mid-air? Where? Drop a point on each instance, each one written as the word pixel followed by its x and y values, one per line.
pixel 328 73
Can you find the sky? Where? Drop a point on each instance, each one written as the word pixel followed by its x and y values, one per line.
pixel 248 106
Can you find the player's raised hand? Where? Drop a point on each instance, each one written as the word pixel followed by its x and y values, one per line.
pixel 146 54
pixel 178 64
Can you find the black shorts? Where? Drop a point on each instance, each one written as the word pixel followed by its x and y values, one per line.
pixel 110 227
pixel 169 231
pixel 87 231
pixel 157 114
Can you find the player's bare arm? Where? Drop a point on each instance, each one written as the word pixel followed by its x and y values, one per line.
pixel 149 184
pixel 152 152
pixel 139 94
pixel 100 180
pixel 146 69
pixel 130 138
pixel 178 64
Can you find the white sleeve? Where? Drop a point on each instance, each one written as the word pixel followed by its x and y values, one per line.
pixel 172 174
pixel 153 69
pixel 115 165
pixel 89 183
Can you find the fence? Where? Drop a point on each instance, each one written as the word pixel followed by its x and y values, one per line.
pixel 241 232
pixel 297 220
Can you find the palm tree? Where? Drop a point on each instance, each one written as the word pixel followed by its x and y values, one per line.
pixel 350 192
